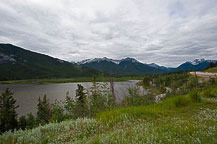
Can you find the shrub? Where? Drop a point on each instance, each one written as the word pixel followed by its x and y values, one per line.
pixel 195 96
pixel 57 112
pixel 208 93
pixel 212 81
pixel 134 98
pixel 100 97
pixel 182 101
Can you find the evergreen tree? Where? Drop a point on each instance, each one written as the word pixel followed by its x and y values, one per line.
pixel 69 105
pixel 81 107
pixel 22 122
pixel 31 121
pixel 8 115
pixel 80 95
pixel 57 111
pixel 44 110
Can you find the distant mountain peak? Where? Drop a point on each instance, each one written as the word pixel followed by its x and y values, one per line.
pixel 108 60
pixel 159 67
pixel 98 60
pixel 197 61
pixel 154 65
pixel 130 59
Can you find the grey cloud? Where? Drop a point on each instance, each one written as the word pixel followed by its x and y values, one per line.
pixel 166 32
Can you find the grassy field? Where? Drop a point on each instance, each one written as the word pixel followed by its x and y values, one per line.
pixel 179 119
pixel 69 80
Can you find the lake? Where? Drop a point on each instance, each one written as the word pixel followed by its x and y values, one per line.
pixel 27 95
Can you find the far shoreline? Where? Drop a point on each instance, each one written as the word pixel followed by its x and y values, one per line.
pixel 69 80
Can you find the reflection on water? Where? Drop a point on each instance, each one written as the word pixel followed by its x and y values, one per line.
pixel 27 94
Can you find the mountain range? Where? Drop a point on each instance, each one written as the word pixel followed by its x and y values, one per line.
pixel 126 67
pixel 18 63
pixel 132 66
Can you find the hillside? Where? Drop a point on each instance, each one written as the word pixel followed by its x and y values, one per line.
pixel 178 119
pixel 212 70
pixel 18 63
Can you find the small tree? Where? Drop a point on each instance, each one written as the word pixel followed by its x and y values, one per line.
pixel 31 121
pixel 8 115
pixel 69 105
pixel 22 122
pixel 57 111
pixel 44 110
pixel 80 103
pixel 146 80
pixel 80 95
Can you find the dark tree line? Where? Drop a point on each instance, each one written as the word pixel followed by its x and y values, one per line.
pixel 211 65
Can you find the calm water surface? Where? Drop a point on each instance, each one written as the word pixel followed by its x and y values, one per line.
pixel 27 94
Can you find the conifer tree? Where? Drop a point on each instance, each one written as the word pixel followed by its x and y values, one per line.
pixel 8 115
pixel 81 106
pixel 44 110
pixel 80 95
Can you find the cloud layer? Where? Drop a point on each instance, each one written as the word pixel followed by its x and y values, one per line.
pixel 166 32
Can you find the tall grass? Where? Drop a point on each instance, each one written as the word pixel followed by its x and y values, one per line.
pixel 195 96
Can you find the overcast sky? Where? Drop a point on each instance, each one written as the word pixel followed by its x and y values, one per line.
pixel 167 32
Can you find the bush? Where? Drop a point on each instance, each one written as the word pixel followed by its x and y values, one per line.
pixel 212 81
pixel 195 96
pixel 57 112
pixel 135 98
pixel 208 93
pixel 182 101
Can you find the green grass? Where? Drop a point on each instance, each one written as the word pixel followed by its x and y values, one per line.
pixel 69 80
pixel 178 119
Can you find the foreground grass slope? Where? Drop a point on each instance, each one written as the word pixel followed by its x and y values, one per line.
pixel 180 119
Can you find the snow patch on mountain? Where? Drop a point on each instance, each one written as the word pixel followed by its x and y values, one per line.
pixel 108 60
pixel 198 61
pixel 98 60
pixel 105 59
pixel 6 58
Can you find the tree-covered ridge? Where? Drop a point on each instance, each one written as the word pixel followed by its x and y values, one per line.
pixel 17 63
pixel 212 68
